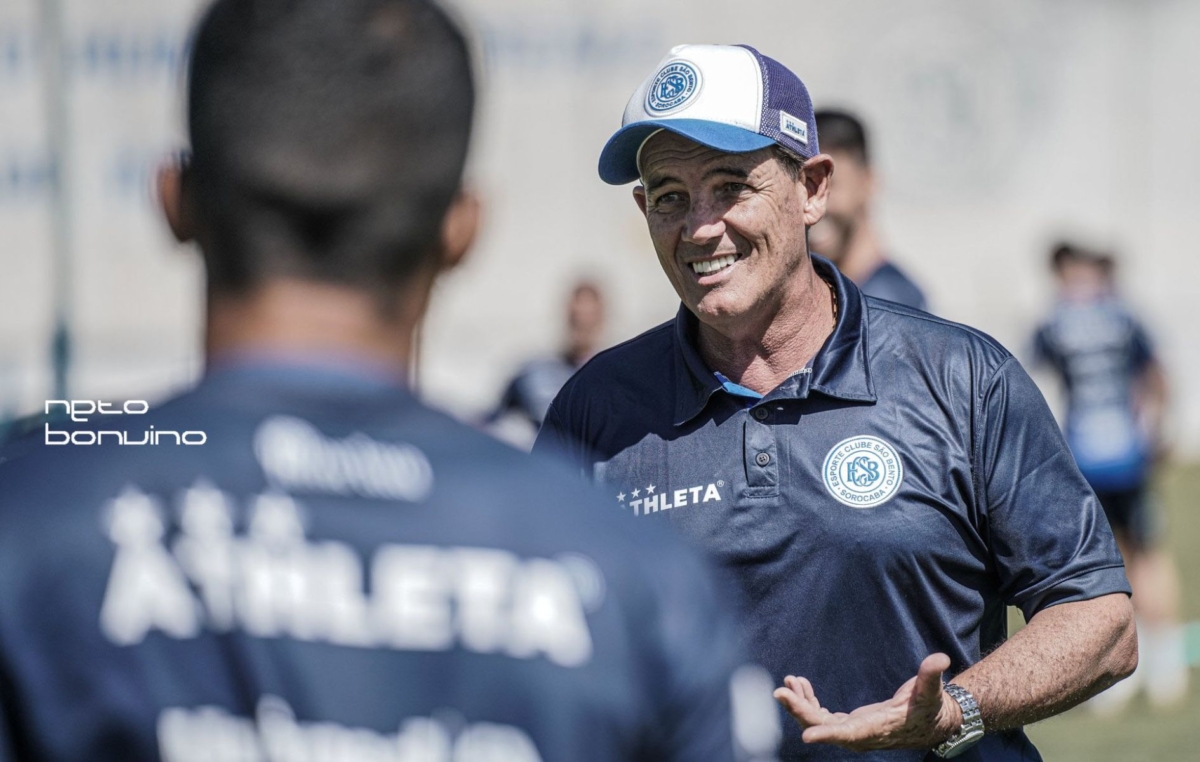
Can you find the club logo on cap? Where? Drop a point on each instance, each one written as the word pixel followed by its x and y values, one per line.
pixel 673 86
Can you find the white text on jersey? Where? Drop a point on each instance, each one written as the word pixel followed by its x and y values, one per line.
pixel 273 582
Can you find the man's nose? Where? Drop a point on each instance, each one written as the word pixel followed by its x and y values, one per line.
pixel 705 222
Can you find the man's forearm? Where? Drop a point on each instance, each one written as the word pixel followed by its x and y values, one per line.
pixel 1066 654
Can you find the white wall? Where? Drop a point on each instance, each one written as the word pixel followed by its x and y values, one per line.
pixel 999 126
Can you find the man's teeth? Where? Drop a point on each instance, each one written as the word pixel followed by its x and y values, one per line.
pixel 712 265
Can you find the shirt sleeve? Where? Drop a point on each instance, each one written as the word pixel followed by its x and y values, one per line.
pixel 716 705
pixel 557 440
pixel 1047 536
pixel 1044 352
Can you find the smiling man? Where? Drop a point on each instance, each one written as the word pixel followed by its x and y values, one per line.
pixel 882 483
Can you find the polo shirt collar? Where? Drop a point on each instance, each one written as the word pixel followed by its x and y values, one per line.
pixel 840 368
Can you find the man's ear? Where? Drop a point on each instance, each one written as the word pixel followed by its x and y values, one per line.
pixel 174 197
pixel 639 196
pixel 459 228
pixel 818 171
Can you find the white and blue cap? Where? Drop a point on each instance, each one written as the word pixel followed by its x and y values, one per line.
pixel 728 97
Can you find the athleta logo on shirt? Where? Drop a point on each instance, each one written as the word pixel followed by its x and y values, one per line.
pixel 651 499
pixel 272 581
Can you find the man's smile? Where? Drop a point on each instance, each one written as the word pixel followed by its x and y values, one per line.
pixel 706 266
pixel 710 271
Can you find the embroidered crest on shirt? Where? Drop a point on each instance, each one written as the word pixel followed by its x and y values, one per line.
pixel 863 472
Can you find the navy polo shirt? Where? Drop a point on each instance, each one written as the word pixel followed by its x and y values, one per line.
pixel 340 574
pixel 883 504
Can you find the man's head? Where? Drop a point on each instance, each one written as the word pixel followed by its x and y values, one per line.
pixel 328 143
pixel 725 146
pixel 1083 274
pixel 844 138
pixel 585 321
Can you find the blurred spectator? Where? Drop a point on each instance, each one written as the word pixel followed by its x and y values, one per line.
pixel 1116 400
pixel 529 393
pixel 847 234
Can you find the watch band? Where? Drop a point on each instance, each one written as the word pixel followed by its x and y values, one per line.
pixel 970 732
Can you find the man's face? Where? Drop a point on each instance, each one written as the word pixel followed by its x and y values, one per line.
pixel 728 228
pixel 849 197
pixel 1082 280
pixel 585 320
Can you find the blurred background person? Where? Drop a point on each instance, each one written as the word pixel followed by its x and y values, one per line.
pixel 332 571
pixel 1116 400
pixel 529 394
pixel 847 234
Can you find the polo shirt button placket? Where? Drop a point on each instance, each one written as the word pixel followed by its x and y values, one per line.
pixel 762 476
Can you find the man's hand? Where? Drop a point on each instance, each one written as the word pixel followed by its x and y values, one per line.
pixel 920 716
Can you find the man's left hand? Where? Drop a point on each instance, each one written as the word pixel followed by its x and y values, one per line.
pixel 920 716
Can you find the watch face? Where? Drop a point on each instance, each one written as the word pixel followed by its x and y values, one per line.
pixel 956 746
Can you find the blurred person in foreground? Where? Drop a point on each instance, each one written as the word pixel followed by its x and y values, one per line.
pixel 528 395
pixel 847 234
pixel 880 482
pixel 334 572
pixel 1116 396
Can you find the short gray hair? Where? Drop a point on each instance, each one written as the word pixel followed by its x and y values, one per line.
pixel 791 163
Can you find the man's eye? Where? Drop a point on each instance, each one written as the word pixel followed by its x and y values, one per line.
pixel 735 187
pixel 668 199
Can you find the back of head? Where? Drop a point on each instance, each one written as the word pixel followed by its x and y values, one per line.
pixel 328 138
pixel 843 132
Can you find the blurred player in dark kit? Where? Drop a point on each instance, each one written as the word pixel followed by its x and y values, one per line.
pixel 1116 396
pixel 847 233
pixel 529 393
pixel 334 572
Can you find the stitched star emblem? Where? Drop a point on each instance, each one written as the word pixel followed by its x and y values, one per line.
pixel 621 497
pixel 636 492
pixel 650 490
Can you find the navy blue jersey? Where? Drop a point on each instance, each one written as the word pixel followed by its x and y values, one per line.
pixel 1099 350
pixel 889 282
pixel 339 574
pixel 883 504
pixel 532 389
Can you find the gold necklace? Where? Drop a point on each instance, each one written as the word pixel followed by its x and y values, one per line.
pixel 833 300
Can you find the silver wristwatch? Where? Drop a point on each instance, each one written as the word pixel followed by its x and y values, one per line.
pixel 971 730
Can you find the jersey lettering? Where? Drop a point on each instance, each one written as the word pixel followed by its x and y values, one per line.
pixel 208 733
pixel 274 582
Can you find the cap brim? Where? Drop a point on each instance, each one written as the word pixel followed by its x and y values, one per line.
pixel 618 160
